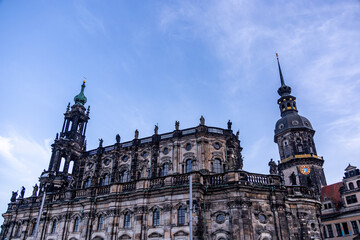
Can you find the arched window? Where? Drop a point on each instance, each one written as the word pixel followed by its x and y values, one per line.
pixel 76 225
pixel 127 220
pixel 351 186
pixel 71 166
pixel 100 223
pixel 62 164
pixel 17 233
pixel 53 229
pixel 188 166
pixel 288 105
pixel 358 183
pixel 217 166
pixel 156 218
pixel 181 215
pixel 105 180
pixel 87 182
pixel 124 176
pixel 294 105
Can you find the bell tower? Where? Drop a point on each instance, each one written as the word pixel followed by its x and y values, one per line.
pixel 294 135
pixel 68 146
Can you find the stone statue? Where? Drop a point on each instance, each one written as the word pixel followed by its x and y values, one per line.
pixel 202 120
pixel 293 178
pixel 156 129
pixel 177 124
pixel 22 193
pixel 237 134
pixel 117 138
pixel 35 189
pixel 136 134
pixel 229 125
pixel 13 196
pixel 68 107
pixel 57 136
pixel 273 167
pixel 101 142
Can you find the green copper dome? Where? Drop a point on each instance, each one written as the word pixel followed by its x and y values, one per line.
pixel 80 98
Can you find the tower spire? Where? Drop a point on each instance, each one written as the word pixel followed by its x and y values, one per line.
pixel 281 76
pixel 283 90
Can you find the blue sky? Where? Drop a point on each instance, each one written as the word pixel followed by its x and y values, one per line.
pixel 154 62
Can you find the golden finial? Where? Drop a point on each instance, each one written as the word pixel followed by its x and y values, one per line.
pixel 84 80
pixel 277 56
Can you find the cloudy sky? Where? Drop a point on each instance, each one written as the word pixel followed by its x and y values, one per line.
pixel 154 62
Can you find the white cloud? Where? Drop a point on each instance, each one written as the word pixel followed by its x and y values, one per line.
pixel 317 42
pixel 22 161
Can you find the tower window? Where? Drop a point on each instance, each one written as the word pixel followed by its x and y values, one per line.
pixel 156 218
pixel 62 164
pixel 188 146
pixel 188 166
pixel 71 167
pixel 127 220
pixel 300 148
pixel 351 186
pixel 181 215
pixel 358 183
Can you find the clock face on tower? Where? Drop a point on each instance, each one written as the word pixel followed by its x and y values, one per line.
pixel 305 170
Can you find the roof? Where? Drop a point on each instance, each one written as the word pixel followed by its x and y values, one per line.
pixel 332 192
pixel 350 167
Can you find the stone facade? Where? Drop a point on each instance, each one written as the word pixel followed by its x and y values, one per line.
pixel 139 189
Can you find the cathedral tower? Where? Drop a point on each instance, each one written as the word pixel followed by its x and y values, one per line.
pixel 67 148
pixel 299 162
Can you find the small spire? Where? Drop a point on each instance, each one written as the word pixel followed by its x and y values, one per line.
pixel 281 76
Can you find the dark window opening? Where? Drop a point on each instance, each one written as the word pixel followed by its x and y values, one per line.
pixel 338 230
pixel 351 199
pixel 355 227
pixel 330 231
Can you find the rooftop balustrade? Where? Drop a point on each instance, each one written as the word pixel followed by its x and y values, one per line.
pixel 240 177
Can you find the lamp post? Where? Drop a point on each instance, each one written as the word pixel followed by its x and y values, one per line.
pixel 190 208
pixel 40 213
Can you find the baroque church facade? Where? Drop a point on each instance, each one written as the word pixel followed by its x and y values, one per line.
pixel 139 189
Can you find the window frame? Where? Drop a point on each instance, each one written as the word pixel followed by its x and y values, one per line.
pixel 181 216
pixel 156 218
